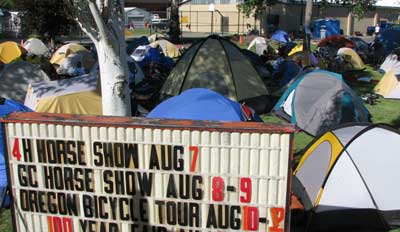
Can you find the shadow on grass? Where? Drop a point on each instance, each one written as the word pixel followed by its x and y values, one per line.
pixel 362 87
pixel 396 123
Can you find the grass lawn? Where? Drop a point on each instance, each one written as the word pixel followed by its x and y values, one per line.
pixel 384 111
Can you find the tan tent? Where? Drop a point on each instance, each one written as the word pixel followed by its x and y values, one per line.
pixel 351 57
pixel 46 89
pixel 88 102
pixel 155 37
pixel 61 53
pixel 389 86
pixel 168 48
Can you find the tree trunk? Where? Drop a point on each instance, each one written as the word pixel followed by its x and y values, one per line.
pixel 114 79
pixel 105 27
pixel 307 33
pixel 174 31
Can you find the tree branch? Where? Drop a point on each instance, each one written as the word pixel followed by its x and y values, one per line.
pixel 108 6
pixel 93 35
pixel 101 25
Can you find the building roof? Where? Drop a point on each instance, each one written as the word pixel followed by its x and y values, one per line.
pixel 390 3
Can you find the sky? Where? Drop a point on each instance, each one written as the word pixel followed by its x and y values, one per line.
pixel 388 3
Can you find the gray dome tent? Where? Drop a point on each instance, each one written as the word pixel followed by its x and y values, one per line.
pixel 219 65
pixel 15 78
pixel 320 100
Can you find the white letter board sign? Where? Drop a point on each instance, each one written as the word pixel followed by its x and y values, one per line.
pixel 93 173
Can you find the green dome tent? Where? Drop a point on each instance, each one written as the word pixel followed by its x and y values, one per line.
pixel 219 65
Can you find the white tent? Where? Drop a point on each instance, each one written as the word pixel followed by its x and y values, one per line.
pixel 391 63
pixel 44 89
pixel 36 47
pixel 350 178
pixel 70 63
pixel 260 43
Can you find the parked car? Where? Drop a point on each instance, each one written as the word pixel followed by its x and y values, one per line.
pixel 159 24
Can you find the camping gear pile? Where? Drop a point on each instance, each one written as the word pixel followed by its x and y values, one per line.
pixel 153 63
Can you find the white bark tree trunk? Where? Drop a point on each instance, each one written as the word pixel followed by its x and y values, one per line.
pixel 103 21
pixel 114 81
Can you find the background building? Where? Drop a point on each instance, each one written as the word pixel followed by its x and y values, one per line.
pixel 137 17
pixel 287 15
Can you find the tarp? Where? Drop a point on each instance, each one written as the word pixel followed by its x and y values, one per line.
pixel 70 63
pixel 296 49
pixel 336 41
pixel 44 89
pixel 6 107
pixel 285 72
pixel 389 85
pixel 280 36
pixel 390 38
pixel 320 100
pixel 136 74
pixel 132 45
pixel 10 51
pixel 65 50
pixel 151 55
pixel 168 48
pixel 88 102
pixel 155 37
pixel 260 43
pixel 348 176
pixel 15 78
pixel 199 104
pixel 392 62
pixel 217 64
pixel 351 57
pixel 36 47
pixel 332 27
pixel 361 47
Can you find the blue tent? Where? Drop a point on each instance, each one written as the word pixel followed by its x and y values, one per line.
pixel 286 71
pixel 390 39
pixel 280 36
pixel 200 104
pixel 152 55
pixel 6 107
pixel 332 27
pixel 136 43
